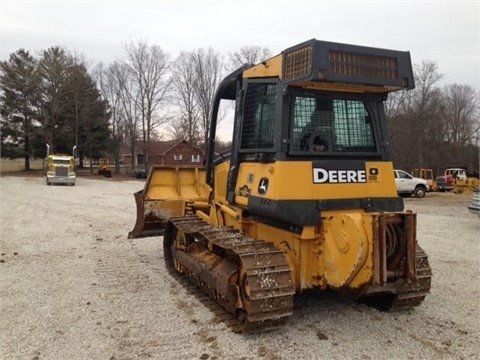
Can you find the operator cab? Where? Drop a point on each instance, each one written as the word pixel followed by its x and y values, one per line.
pixel 317 101
pixel 304 123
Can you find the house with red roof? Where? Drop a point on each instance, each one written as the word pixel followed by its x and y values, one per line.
pixel 171 153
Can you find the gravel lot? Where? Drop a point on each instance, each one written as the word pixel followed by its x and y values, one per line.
pixel 72 286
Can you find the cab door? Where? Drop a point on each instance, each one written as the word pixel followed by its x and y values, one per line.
pixel 404 181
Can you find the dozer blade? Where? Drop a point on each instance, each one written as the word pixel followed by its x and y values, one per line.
pixel 168 192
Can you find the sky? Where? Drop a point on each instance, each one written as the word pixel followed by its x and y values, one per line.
pixel 447 32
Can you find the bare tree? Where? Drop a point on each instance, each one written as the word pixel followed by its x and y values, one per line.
pixel 149 67
pixel 431 126
pixel 460 116
pixel 398 103
pixel 109 84
pixel 248 55
pixel 120 88
pixel 413 118
pixel 397 109
pixel 129 98
pixel 208 66
pixel 426 110
pixel 186 125
pixel 177 129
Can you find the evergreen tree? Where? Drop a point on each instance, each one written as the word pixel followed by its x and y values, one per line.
pixel 73 113
pixel 54 65
pixel 94 132
pixel 85 114
pixel 19 84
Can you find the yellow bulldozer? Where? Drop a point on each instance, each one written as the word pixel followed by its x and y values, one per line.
pixel 104 168
pixel 305 199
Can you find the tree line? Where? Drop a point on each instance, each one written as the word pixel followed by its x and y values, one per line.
pixel 50 99
pixel 58 98
pixel 434 126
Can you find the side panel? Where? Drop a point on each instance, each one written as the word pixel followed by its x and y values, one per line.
pixel 352 251
pixel 318 214
pixel 304 180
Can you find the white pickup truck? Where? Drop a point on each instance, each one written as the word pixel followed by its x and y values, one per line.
pixel 407 185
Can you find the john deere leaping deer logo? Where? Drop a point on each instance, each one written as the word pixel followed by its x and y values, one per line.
pixel 263 186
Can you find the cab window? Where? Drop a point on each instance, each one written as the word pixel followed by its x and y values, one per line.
pixel 258 127
pixel 334 125
pixel 403 175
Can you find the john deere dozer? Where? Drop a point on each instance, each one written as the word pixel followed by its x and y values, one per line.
pixel 305 199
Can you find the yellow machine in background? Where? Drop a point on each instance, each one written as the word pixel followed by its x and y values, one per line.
pixel 426 174
pixel 306 198
pixel 473 183
pixel 104 168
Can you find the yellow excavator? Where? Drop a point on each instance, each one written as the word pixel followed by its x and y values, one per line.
pixel 306 197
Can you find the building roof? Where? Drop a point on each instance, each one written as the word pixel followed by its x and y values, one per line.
pixel 160 147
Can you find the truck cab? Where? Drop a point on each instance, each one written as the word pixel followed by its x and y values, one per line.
pixel 452 179
pixel 60 170
pixel 409 185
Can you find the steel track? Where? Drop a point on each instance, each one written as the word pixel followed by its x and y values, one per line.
pixel 263 275
pixel 414 293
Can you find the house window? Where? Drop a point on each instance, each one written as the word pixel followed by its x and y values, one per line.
pixel 177 157
pixel 140 159
pixel 195 158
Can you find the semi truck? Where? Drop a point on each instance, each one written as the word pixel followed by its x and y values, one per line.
pixel 60 168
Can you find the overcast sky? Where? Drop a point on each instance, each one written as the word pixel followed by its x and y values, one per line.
pixel 447 32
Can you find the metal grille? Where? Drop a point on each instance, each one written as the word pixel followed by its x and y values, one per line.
pixel 331 125
pixel 298 63
pixel 314 124
pixel 61 171
pixel 353 126
pixel 355 64
pixel 258 127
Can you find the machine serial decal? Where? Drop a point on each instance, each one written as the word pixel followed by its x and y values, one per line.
pixel 324 176
pixel 373 174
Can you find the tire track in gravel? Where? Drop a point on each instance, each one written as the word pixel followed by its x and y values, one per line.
pixel 203 313
pixel 129 281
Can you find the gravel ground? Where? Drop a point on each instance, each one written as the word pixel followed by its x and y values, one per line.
pixel 73 287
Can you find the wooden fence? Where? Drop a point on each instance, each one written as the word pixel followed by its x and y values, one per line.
pixel 13 165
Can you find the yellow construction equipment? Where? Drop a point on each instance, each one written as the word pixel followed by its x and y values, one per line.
pixel 473 183
pixel 305 199
pixel 426 174
pixel 104 168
